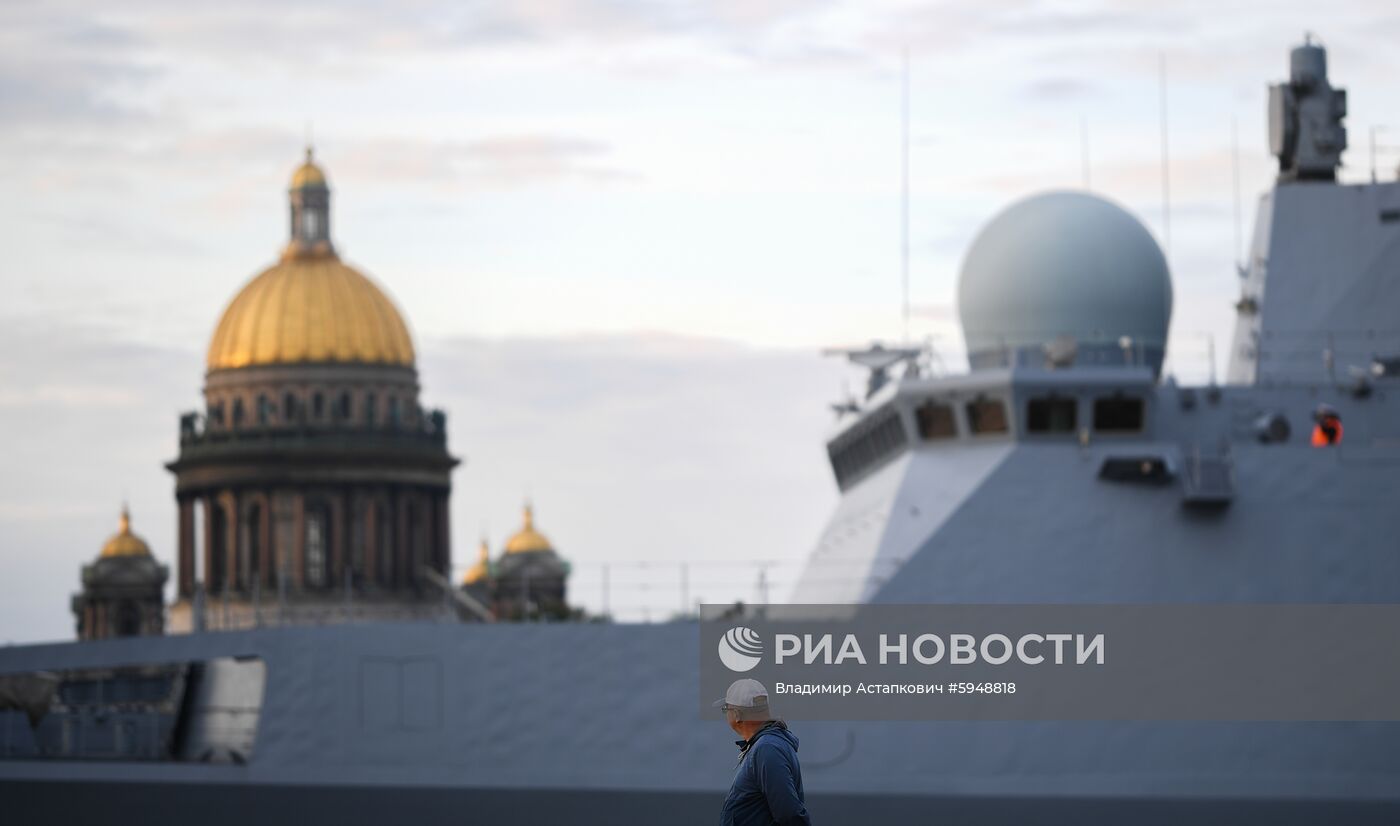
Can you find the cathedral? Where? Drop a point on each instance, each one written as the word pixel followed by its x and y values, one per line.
pixel 312 487
pixel 526 582
pixel 123 589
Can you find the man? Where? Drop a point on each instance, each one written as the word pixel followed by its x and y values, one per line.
pixel 767 787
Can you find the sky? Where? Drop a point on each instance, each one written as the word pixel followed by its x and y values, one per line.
pixel 621 232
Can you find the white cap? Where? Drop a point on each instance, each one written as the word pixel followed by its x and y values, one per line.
pixel 748 697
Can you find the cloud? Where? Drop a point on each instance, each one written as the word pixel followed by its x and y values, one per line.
pixel 69 92
pixel 503 161
pixel 319 32
pixel 67 69
pixel 1059 88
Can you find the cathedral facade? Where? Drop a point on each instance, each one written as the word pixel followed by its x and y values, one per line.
pixel 313 486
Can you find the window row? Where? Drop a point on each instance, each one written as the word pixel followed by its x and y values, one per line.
pixel 318 408
pixel 1045 414
pixel 878 440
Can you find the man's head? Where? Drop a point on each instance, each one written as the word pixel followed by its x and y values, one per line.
pixel 745 707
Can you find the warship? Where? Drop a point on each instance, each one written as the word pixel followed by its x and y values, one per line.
pixel 1062 467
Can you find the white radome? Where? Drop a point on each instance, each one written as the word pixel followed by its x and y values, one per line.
pixel 1065 266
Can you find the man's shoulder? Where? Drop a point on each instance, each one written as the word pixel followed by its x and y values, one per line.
pixel 771 746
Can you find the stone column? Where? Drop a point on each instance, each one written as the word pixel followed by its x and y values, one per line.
pixel 444 539
pixel 372 539
pixel 186 552
pixel 338 557
pixel 284 518
pixel 208 503
pixel 266 557
pixel 229 503
pixel 404 560
pixel 298 577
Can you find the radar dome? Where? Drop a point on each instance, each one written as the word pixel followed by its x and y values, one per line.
pixel 1064 271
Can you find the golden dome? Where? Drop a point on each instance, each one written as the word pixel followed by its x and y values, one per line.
pixel 126 543
pixel 310 308
pixel 308 174
pixel 528 539
pixel 482 569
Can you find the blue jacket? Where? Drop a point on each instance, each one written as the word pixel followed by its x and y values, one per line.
pixel 767 786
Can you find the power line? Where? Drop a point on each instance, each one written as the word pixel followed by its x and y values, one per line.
pixel 1166 172
pixel 904 194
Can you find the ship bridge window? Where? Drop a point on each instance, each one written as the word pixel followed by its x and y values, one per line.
pixel 1052 414
pixel 1118 414
pixel 936 421
pixel 986 416
pixel 867 446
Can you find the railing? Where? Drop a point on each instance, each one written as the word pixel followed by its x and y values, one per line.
pixel 1308 356
pixel 1094 348
pixel 196 444
pixel 196 430
pixel 1326 355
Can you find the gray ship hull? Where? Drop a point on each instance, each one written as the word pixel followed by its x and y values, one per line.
pixel 237 805
pixel 597 724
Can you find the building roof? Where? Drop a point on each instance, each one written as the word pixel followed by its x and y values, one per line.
pixel 310 307
pixel 308 174
pixel 479 572
pixel 527 538
pixel 124 542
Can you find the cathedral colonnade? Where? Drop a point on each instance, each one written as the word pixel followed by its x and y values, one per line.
pixel 318 539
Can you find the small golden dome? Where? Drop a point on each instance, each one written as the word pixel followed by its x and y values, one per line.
pixel 308 174
pixel 126 543
pixel 528 539
pixel 310 308
pixel 482 569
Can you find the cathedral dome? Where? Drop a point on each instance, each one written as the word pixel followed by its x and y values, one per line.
pixel 481 571
pixel 310 308
pixel 124 542
pixel 528 539
pixel 308 174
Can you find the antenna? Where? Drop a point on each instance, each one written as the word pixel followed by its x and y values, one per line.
pixel 685 588
pixel 1235 177
pixel 1084 149
pixel 904 194
pixel 1210 355
pixel 1166 175
pixel 1374 129
pixel 607 608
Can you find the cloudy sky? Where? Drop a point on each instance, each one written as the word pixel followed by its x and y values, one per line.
pixel 620 231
